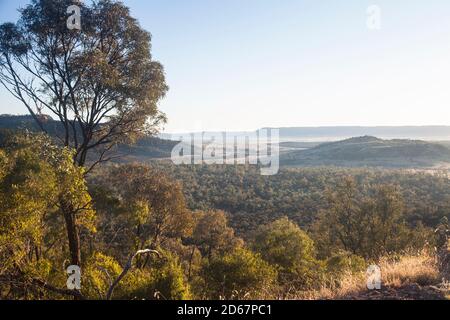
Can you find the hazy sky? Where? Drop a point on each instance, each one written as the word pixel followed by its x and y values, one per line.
pixel 246 64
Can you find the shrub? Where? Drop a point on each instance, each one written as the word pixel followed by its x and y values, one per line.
pixel 99 272
pixel 342 264
pixel 163 279
pixel 237 275
pixel 284 245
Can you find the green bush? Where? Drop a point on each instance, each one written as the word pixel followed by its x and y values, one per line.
pixel 284 245
pixel 343 263
pixel 98 274
pixel 239 274
pixel 163 279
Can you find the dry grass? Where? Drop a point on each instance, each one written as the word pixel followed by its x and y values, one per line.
pixel 397 271
pixel 421 269
pixel 349 284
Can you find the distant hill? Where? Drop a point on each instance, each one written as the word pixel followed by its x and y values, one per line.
pixel 371 151
pixel 354 152
pixel 327 134
pixel 144 149
pixel 428 133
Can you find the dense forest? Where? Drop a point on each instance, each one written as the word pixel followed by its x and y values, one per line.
pixel 215 231
pixel 301 194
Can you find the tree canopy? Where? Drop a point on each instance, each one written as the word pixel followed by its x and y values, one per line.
pixel 100 82
pixel 34 176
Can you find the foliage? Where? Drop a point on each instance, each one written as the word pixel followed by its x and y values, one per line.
pixel 238 274
pixel 35 175
pixel 212 234
pixel 143 207
pixel 357 218
pixel 284 245
pixel 368 226
pixel 252 200
pixel 163 279
pixel 342 263
pixel 100 82
pixel 98 275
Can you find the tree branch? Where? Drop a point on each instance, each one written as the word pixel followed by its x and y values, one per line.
pixel 126 269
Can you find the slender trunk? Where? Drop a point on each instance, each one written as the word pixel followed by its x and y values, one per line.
pixel 190 263
pixel 36 251
pixel 73 235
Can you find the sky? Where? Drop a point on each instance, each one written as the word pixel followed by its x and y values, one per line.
pixel 245 64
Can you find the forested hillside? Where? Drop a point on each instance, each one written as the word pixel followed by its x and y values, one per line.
pixel 145 148
pixel 300 194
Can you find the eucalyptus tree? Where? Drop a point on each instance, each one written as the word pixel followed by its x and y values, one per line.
pixel 100 82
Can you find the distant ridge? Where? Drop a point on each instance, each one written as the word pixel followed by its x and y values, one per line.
pixel 144 149
pixel 371 151
pixel 323 134
pixel 428 133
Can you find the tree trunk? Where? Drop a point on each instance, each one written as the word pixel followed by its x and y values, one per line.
pixel 190 263
pixel 73 234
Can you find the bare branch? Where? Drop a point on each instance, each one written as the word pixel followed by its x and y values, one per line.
pixel 127 268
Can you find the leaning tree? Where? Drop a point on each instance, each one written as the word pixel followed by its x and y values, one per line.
pixel 99 81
